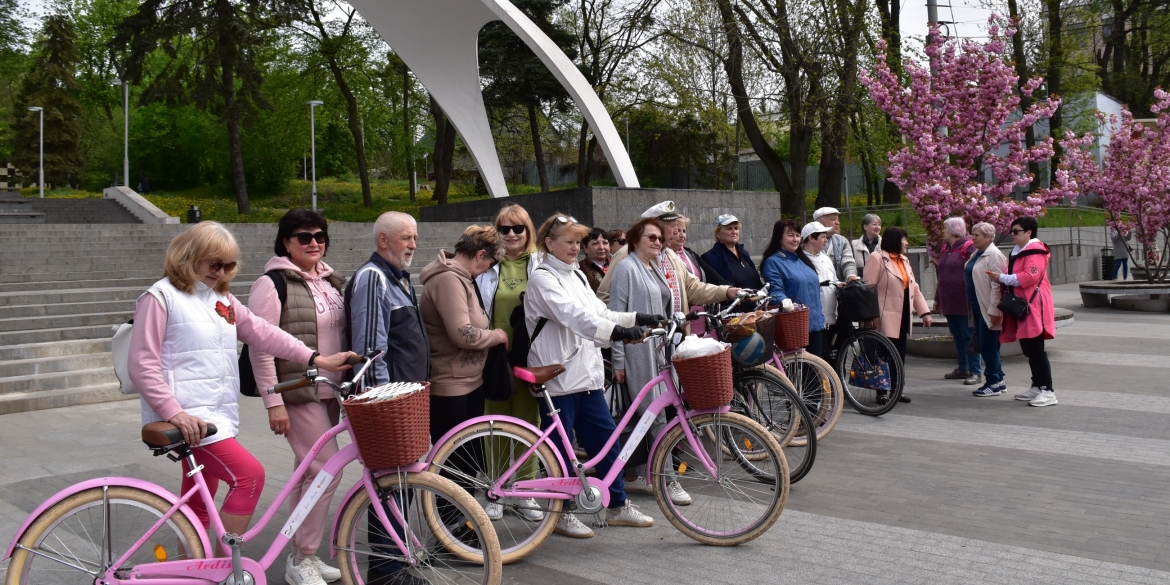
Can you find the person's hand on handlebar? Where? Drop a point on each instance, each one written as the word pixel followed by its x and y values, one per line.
pixel 193 427
pixel 629 334
pixel 733 292
pixel 336 362
pixel 648 319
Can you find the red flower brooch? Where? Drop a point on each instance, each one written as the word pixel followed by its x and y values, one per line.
pixel 228 313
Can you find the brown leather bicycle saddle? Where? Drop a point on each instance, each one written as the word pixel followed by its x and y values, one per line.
pixel 541 374
pixel 164 434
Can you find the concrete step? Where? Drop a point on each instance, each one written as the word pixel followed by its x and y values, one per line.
pixel 54 365
pixel 39 400
pixel 76 347
pixel 60 309
pixel 58 334
pixel 59 380
pixel 239 288
pixel 64 321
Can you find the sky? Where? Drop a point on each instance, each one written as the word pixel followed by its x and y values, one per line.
pixel 970 18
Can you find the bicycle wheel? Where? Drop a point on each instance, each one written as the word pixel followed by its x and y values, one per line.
pixel 738 505
pixel 500 443
pixel 71 544
pixel 778 408
pixel 819 387
pixel 437 555
pixel 866 359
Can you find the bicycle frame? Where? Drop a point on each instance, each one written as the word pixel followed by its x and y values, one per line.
pixel 567 487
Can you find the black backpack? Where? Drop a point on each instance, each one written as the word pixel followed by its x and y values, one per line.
pixel 521 341
pixel 247 376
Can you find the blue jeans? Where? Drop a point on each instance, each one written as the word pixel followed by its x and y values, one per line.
pixel 988 347
pixel 587 415
pixel 1121 265
pixel 961 331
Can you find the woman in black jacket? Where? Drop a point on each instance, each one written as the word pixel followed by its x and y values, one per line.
pixel 729 258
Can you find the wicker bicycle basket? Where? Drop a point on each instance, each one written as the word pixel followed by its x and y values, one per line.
pixel 741 326
pixel 706 380
pixel 792 329
pixel 394 432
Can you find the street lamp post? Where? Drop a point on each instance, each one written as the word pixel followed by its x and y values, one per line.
pixel 41 155
pixel 125 130
pixel 313 143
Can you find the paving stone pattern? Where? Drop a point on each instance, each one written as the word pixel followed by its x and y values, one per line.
pixel 947 489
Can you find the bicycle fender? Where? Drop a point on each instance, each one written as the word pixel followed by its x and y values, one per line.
pixel 518 422
pixel 676 421
pixel 360 485
pixel 128 482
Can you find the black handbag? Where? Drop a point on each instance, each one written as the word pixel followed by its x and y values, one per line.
pixel 857 302
pixel 1014 305
pixel 497 375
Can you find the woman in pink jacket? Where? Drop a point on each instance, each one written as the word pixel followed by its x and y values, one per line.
pixel 1027 275
pixel 897 290
pixel 183 347
pixel 313 311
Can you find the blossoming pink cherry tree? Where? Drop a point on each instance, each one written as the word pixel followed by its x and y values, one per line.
pixel 964 134
pixel 1133 180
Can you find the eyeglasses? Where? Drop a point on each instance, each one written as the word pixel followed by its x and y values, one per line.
pixel 1017 232
pixel 654 238
pixel 303 238
pixel 218 265
pixel 620 242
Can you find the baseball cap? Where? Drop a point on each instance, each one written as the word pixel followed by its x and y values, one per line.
pixel 664 211
pixel 726 219
pixel 812 227
pixel 825 211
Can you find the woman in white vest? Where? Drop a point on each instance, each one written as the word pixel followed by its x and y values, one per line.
pixel 184 350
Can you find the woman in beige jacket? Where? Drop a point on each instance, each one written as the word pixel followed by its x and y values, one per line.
pixel 984 315
pixel 897 289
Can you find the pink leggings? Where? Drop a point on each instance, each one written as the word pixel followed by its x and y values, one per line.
pixel 230 462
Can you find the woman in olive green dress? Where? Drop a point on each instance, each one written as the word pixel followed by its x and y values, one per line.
pixel 501 288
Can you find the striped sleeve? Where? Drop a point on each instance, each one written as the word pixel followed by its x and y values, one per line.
pixel 368 327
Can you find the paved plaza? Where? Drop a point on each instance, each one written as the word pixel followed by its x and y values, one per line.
pixel 948 489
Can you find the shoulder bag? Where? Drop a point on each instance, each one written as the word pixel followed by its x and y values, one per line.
pixel 1014 305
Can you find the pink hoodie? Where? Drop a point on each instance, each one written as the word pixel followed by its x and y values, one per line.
pixel 264 303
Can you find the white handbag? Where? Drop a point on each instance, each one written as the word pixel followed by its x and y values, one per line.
pixel 120 348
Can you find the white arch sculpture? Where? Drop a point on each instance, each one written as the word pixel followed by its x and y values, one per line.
pixel 438 40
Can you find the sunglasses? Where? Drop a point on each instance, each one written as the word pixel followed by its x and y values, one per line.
pixel 220 265
pixel 566 219
pixel 654 238
pixel 507 229
pixel 620 242
pixel 303 238
pixel 1017 232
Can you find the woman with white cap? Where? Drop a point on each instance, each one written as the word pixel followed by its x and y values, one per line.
pixel 813 238
pixel 729 258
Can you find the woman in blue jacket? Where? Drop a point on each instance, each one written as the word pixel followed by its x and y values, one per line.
pixel 791 275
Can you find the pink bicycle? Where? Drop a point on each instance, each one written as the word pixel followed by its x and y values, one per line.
pixel 736 497
pixel 126 531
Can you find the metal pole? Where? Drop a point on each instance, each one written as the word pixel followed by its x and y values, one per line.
pixel 931 18
pixel 126 134
pixel 313 147
pixel 41 162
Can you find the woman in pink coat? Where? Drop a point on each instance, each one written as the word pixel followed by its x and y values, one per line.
pixel 897 290
pixel 1027 275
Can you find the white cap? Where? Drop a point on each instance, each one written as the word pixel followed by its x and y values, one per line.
pixel 726 219
pixel 813 227
pixel 664 211
pixel 825 211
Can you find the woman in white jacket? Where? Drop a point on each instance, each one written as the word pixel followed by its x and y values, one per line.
pixel 577 325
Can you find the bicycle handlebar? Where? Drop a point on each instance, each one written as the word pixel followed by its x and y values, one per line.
pixel 302 382
pixel 311 377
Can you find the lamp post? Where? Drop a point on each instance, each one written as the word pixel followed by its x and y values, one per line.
pixel 41 155
pixel 125 130
pixel 313 143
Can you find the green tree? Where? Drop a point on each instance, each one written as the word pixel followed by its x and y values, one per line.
pixel 50 84
pixel 212 49
pixel 13 62
pixel 515 77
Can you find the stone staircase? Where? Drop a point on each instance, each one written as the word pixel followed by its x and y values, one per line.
pixel 65 287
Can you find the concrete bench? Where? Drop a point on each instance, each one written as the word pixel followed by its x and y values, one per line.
pixel 1096 293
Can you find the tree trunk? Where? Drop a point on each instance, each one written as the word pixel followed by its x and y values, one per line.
pixel 1025 101
pixel 537 149
pixel 408 133
pixel 890 12
pixel 582 156
pixel 1055 64
pixel 231 111
pixel 444 151
pixel 590 159
pixel 832 170
pixel 733 65
pixel 355 129
pixel 799 145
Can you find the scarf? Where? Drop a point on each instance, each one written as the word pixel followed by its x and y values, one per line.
pixel 672 281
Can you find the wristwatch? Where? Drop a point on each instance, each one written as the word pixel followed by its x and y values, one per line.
pixel 313 358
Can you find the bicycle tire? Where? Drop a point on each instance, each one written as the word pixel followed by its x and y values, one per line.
pixel 703 490
pixel 783 413
pixel 861 349
pixel 516 540
pixel 178 537
pixel 442 559
pixel 819 386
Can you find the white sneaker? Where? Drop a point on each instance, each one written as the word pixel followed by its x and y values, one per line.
pixel 628 515
pixel 1031 394
pixel 639 485
pixel 570 526
pixel 495 511
pixel 1046 398
pixel 302 574
pixel 678 495
pixel 529 510
pixel 327 573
